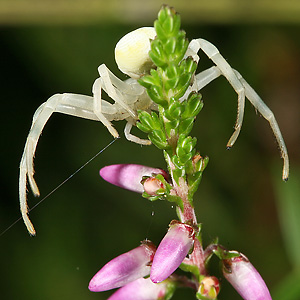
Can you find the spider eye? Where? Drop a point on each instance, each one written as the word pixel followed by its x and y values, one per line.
pixel 131 52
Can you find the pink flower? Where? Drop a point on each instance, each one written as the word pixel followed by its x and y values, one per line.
pixel 124 269
pixel 129 176
pixel 141 289
pixel 245 278
pixel 171 251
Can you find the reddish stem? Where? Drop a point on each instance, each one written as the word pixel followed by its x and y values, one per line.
pixel 188 215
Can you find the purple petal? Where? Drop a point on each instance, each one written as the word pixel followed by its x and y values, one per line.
pixel 171 251
pixel 245 279
pixel 123 269
pixel 129 176
pixel 141 289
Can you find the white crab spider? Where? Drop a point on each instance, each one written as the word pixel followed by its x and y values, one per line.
pixel 131 54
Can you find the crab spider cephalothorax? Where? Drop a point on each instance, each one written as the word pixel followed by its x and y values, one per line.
pixel 131 54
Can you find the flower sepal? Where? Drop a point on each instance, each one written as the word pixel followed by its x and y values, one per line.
pixel 191 269
pixel 158 188
pixel 221 252
pixel 155 187
pixel 209 288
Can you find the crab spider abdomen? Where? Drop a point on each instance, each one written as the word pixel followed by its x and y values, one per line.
pixel 131 52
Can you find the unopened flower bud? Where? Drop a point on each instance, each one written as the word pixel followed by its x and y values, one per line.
pixel 245 278
pixel 171 251
pixel 129 176
pixel 125 268
pixel 209 288
pixel 152 185
pixel 142 289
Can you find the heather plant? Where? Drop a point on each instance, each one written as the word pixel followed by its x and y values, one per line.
pixel 149 271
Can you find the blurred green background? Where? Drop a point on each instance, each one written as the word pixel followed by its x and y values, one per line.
pixel 50 47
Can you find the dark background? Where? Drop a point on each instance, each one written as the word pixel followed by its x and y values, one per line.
pixel 87 222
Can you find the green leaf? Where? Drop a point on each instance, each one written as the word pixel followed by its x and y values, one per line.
pixel 158 138
pixel 169 20
pixel 175 199
pixel 193 182
pixel 158 143
pixel 171 128
pixel 183 84
pixel 149 197
pixel 160 32
pixel 188 65
pixel 157 54
pixel 156 123
pixel 171 84
pixel 185 158
pixel 146 121
pixel 168 23
pixel 186 126
pixel 147 81
pixel 174 110
pixel 177 173
pixel 170 45
pixel 189 167
pixel 185 148
pixel 160 135
pixel 193 105
pixel 205 162
pixel 155 93
pixel 190 268
pixel 182 44
pixel 171 71
pixel 149 123
pixel 143 127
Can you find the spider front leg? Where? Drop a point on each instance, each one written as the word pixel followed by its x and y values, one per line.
pixel 97 108
pixel 124 93
pixel 115 88
pixel 70 104
pixel 40 118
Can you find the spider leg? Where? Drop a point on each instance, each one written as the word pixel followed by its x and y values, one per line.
pixel 123 93
pixel 71 104
pixel 206 76
pixel 97 108
pixel 40 118
pixel 265 111
pixel 133 138
pixel 213 53
pixel 115 88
